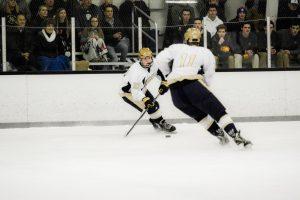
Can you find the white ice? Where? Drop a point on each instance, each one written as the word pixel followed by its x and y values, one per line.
pixel 98 163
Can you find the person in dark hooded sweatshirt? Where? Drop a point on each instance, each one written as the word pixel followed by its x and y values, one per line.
pixel 19 46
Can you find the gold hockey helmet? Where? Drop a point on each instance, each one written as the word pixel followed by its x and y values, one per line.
pixel 145 52
pixel 192 35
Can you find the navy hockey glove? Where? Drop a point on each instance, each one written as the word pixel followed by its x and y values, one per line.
pixel 163 88
pixel 148 103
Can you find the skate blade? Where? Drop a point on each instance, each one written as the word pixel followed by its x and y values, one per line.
pixel 248 146
pixel 170 132
pixel 224 143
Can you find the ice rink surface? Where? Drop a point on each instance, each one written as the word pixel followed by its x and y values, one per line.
pixel 98 163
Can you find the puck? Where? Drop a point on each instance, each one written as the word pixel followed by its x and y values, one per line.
pixel 167 136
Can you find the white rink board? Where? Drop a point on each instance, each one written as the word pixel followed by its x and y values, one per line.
pixel 94 97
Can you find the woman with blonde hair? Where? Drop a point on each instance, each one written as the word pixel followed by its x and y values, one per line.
pixel 11 10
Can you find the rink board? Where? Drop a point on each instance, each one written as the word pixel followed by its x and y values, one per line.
pixel 95 97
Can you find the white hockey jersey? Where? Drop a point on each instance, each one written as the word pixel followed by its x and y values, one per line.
pixel 136 79
pixel 187 62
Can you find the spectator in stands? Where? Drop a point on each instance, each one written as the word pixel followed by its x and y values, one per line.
pixel 126 18
pixel 202 7
pixel 69 5
pixel 38 21
pixel 51 8
pixel 256 12
pixel 286 11
pixel 290 45
pixel 185 23
pixel 212 20
pixel 198 24
pixel 49 49
pixel 247 41
pixel 220 8
pixel 110 3
pixel 262 44
pixel 234 25
pixel 85 12
pixel 23 7
pixel 173 20
pixel 114 35
pixel 11 10
pixel 63 28
pixel 92 40
pixel 224 48
pixel 19 46
pixel 174 13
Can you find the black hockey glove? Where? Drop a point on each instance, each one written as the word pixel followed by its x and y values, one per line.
pixel 163 88
pixel 148 103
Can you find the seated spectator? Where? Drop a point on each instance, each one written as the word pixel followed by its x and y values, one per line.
pixel 114 36
pixel 224 48
pixel 212 20
pixel 50 4
pixel 110 3
pixel 286 11
pixel 175 11
pixel 173 20
pixel 19 47
pixel 63 28
pixel 38 21
pixel 185 23
pixel 220 8
pixel 262 44
pixel 247 41
pixel 69 5
pixel 93 45
pixel 34 6
pixel 85 12
pixel 10 10
pixel 49 49
pixel 234 25
pixel 23 7
pixel 198 24
pixel 289 45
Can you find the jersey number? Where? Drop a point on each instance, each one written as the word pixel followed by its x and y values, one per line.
pixel 187 60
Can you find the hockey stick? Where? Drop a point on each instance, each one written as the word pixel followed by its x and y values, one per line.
pixel 143 113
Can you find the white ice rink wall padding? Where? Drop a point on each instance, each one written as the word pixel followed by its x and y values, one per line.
pixel 94 97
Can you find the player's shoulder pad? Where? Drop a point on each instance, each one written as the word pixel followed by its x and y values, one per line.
pixel 135 67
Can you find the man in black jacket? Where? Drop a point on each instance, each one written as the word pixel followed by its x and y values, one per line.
pixel 247 41
pixel 114 36
pixel 234 25
pixel 262 44
pixel 19 46
pixel 289 45
pixel 85 12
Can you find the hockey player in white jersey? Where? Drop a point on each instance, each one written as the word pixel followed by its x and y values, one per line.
pixel 135 93
pixel 188 79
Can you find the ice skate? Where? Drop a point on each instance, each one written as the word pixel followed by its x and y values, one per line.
pixel 238 139
pixel 223 139
pixel 163 125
